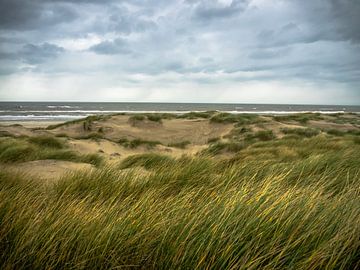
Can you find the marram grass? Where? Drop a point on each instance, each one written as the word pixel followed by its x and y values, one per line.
pixel 258 210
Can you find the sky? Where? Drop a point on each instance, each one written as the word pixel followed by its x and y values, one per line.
pixel 221 51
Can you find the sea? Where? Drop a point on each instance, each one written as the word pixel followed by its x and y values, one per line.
pixel 64 111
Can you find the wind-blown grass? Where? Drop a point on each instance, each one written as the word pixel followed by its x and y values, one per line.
pixel 181 144
pixel 196 213
pixel 240 119
pixel 219 147
pixel 47 141
pixel 302 118
pixel 148 161
pixel 87 122
pixel 195 115
pixel 39 148
pixel 289 203
pixel 137 142
pixel 305 132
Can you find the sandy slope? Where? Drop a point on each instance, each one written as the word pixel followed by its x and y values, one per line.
pixel 196 131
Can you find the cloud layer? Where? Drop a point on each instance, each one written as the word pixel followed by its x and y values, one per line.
pixel 255 51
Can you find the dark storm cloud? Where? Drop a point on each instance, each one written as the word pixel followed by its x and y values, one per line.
pixel 28 15
pixel 332 19
pixel 347 13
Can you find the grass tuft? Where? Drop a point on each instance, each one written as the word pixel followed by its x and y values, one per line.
pixel 240 119
pixel 181 145
pixel 138 142
pixel 47 141
pixel 148 161
pixel 303 132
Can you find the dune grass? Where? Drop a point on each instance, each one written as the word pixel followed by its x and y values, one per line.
pixel 302 118
pixel 195 115
pixel 137 142
pixel 86 122
pixel 221 147
pixel 133 119
pixel 39 148
pixel 47 141
pixel 305 132
pixel 262 135
pixel 96 136
pixel 147 160
pixel 181 144
pixel 154 118
pixel 239 119
pixel 253 212
pixel 274 203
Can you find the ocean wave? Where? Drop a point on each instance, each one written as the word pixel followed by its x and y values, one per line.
pixel 61 106
pixel 179 111
pixel 30 117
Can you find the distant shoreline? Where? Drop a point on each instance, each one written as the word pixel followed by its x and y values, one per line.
pixel 65 111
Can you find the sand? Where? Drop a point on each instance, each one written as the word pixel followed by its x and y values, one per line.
pixel 196 131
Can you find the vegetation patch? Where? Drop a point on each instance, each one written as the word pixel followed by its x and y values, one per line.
pixel 240 119
pixel 86 122
pixel 336 132
pixel 224 147
pixel 303 132
pixel 262 135
pixel 4 133
pixel 96 136
pixel 191 213
pixel 302 118
pixel 22 149
pixel 137 142
pixel 47 141
pixel 213 140
pixel 154 118
pixel 181 145
pixel 134 119
pixel 195 115
pixel 148 161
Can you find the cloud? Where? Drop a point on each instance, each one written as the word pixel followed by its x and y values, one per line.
pixel 35 54
pixel 333 19
pixel 29 15
pixel 117 46
pixel 208 10
pixel 159 45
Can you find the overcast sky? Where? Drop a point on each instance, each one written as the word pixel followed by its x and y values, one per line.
pixel 239 51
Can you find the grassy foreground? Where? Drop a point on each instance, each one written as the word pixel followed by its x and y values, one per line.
pixel 290 203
